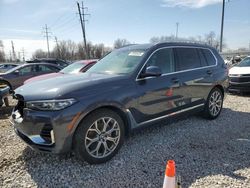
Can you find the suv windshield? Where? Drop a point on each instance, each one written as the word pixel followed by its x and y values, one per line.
pixel 73 68
pixel 244 63
pixel 122 61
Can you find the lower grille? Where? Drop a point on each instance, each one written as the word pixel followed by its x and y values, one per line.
pixel 46 133
pixel 239 79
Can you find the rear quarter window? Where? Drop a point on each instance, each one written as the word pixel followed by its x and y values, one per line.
pixel 209 57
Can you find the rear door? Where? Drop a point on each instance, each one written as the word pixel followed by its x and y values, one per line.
pixel 194 74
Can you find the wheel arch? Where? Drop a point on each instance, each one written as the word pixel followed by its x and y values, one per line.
pixel 117 109
pixel 220 87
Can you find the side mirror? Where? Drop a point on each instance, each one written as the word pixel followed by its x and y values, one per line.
pixel 152 71
pixel 16 72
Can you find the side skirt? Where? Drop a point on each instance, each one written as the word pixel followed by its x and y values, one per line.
pixel 135 125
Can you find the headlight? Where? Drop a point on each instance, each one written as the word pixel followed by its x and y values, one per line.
pixel 50 105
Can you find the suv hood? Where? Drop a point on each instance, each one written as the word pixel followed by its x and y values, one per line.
pixel 64 86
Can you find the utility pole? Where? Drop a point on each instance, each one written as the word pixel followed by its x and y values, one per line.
pixel 82 19
pixel 46 32
pixel 13 51
pixel 222 25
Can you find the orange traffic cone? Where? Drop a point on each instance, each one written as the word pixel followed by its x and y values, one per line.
pixel 169 180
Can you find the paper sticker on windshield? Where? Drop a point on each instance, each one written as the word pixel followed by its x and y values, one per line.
pixel 136 53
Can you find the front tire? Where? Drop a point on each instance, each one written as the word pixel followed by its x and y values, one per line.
pixel 214 104
pixel 99 136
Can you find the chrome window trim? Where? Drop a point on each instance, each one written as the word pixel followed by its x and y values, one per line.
pixel 216 62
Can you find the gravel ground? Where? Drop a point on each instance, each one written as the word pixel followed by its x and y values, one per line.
pixel 207 154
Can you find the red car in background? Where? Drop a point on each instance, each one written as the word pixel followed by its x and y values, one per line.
pixel 74 68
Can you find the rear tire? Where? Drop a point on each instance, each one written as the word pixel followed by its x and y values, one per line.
pixel 214 104
pixel 99 136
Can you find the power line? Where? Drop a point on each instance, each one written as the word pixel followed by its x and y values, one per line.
pixel 62 15
pixel 63 24
pixel 70 28
pixel 57 20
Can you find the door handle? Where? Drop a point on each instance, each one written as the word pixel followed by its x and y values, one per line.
pixel 175 80
pixel 209 72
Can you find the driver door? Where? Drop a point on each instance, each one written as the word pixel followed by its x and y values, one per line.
pixel 159 96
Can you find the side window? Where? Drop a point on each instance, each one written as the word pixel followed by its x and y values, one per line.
pixel 163 59
pixel 202 58
pixel 209 57
pixel 54 69
pixel 25 71
pixel 60 63
pixel 188 58
pixel 46 68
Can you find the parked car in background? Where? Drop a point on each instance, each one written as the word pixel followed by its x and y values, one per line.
pixel 16 76
pixel 74 68
pixel 129 88
pixel 239 77
pixel 227 60
pixel 235 60
pixel 4 92
pixel 7 66
pixel 58 62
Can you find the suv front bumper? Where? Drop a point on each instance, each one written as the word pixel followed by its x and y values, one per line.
pixel 43 131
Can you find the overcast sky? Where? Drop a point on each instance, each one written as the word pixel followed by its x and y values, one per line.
pixel 136 20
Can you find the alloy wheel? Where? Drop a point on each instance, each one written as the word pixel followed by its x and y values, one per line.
pixel 102 137
pixel 215 103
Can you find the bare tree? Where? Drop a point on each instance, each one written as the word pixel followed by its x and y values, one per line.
pixel 2 54
pixel 120 43
pixel 39 54
pixel 69 50
pixel 213 40
pixel 162 39
pixel 210 38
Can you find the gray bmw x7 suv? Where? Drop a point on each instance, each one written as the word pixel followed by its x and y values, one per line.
pixel 131 87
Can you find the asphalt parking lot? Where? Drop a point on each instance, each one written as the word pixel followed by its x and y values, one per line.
pixel 207 154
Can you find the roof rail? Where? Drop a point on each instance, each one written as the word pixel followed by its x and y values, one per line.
pixel 184 41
